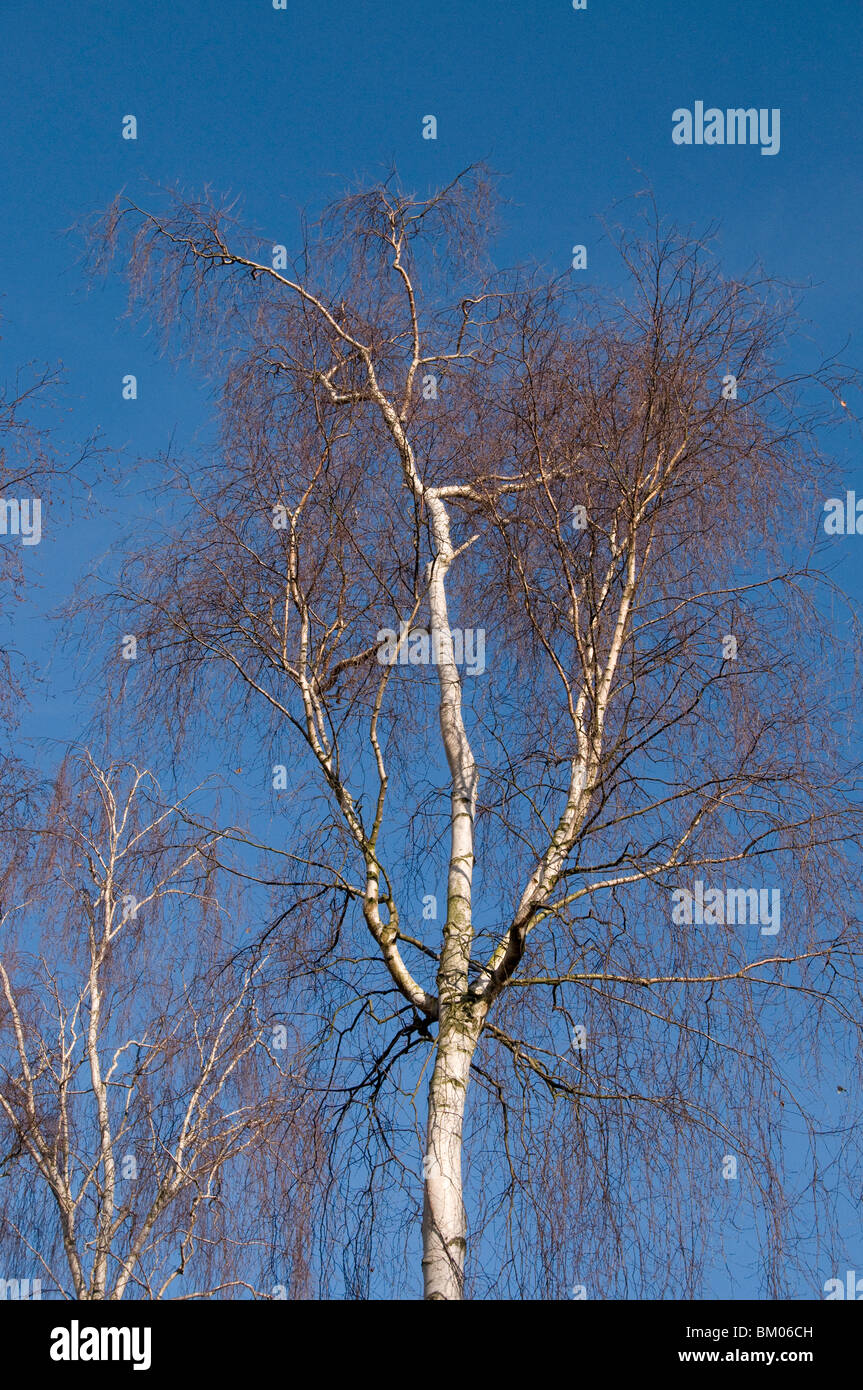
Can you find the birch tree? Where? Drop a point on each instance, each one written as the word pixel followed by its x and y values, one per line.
pixel 137 1123
pixel 524 572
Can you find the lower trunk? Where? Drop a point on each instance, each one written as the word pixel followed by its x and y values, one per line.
pixel 444 1225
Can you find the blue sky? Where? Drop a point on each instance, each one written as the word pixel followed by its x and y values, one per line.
pixel 285 108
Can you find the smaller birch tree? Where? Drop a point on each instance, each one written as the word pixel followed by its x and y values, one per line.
pixel 137 1086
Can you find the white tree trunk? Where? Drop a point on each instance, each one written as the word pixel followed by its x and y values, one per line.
pixel 444 1224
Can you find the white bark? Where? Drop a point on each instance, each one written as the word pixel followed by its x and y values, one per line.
pixel 444 1225
pixel 460 1018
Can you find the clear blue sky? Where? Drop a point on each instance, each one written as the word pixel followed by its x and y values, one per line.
pixel 284 108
